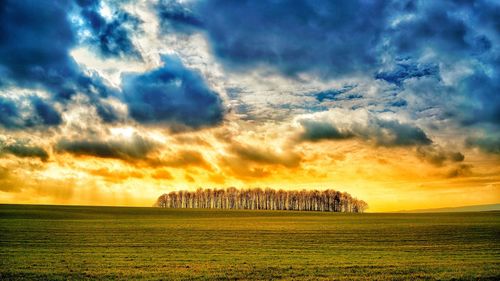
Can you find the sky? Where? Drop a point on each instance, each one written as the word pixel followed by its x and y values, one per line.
pixel 117 102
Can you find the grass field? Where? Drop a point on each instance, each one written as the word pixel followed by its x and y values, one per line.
pixel 70 243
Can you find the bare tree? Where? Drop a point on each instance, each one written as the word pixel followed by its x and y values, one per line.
pixel 327 200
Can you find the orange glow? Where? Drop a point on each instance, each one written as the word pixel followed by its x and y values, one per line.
pixel 389 179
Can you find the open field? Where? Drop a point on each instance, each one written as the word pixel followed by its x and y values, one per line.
pixel 69 243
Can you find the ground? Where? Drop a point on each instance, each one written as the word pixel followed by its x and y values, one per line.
pixel 74 242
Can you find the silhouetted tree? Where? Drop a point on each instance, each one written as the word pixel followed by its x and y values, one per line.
pixel 268 199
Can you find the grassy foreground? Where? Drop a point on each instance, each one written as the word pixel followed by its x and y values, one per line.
pixel 70 243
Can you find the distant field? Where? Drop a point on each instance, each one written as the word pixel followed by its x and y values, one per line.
pixel 70 243
pixel 473 208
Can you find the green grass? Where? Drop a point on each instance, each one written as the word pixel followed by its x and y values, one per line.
pixel 70 243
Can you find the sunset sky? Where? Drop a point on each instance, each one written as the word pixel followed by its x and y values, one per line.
pixel 117 102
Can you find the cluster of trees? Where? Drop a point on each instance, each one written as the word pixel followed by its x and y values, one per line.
pixel 263 199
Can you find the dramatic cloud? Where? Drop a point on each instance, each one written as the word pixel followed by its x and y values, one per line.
pixel 48 115
pixel 483 101
pixel 177 17
pixel 40 113
pixel 248 153
pixel 394 41
pixel 437 155
pixel 488 144
pixel 22 149
pixel 342 124
pixel 403 71
pixel 450 33
pixel 172 96
pixel 323 37
pixel 321 130
pixel 110 35
pixel 34 52
pixel 442 27
pixel 333 93
pixel 10 117
pixel 134 148
pixel 35 39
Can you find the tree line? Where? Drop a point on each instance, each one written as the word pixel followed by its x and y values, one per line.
pixel 263 199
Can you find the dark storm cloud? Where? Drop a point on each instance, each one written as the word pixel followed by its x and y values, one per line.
pixel 177 17
pixel 395 41
pixel 329 38
pixel 172 95
pixel 400 42
pixel 111 37
pixel 23 150
pixel 48 115
pixel 10 117
pixel 453 31
pixel 35 37
pixel 341 37
pixel 403 71
pixel 35 40
pixel 333 93
pixel 381 132
pixel 400 134
pixel 451 28
pixel 437 155
pixel 39 113
pixel 488 144
pixel 322 130
pixel 136 148
pixel 483 98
